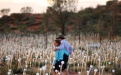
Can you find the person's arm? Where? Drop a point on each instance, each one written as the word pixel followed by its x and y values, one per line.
pixel 56 57
pixel 70 49
pixel 61 46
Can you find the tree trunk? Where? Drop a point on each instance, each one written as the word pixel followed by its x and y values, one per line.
pixel 63 29
pixel 79 37
pixel 113 29
pixel 100 39
pixel 115 17
pixel 46 38
pixel 79 32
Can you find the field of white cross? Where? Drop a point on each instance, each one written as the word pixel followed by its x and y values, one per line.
pixel 28 55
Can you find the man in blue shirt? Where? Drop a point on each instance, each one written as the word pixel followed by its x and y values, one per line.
pixel 64 45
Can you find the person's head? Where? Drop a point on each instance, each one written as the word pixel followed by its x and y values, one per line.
pixel 57 42
pixel 60 37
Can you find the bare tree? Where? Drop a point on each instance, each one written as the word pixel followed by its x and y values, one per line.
pixel 26 10
pixel 60 10
pixel 112 28
pixel 100 28
pixel 46 23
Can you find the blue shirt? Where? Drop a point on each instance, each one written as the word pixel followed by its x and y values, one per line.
pixel 65 45
pixel 59 54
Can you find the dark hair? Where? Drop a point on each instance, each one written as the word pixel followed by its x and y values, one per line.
pixel 58 42
pixel 60 37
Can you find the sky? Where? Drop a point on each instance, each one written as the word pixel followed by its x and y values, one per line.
pixel 39 6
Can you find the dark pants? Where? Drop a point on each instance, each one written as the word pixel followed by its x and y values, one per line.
pixel 57 65
pixel 65 58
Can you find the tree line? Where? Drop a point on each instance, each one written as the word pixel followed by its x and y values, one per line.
pixel 26 9
pixel 104 19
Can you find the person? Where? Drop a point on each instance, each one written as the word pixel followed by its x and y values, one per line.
pixel 59 58
pixel 64 45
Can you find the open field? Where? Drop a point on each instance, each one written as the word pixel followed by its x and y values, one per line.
pixel 28 55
